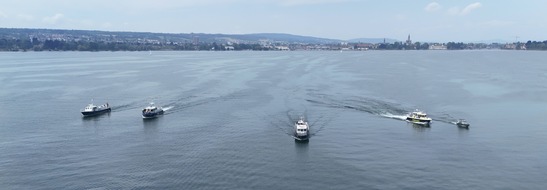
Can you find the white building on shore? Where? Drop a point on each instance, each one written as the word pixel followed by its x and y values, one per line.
pixel 437 47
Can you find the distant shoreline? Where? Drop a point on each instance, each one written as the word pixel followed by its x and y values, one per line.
pixel 152 51
pixel 13 39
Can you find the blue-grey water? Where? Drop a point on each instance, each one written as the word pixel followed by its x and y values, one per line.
pixel 230 114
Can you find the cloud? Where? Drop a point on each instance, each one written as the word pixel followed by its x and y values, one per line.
pixel 498 23
pixel 454 11
pixel 468 9
pixel 106 25
pixel 433 7
pixel 87 23
pixel 309 2
pixel 53 19
pixel 25 17
pixel 400 17
pixel 3 15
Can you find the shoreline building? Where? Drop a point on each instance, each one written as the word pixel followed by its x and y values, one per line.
pixel 408 41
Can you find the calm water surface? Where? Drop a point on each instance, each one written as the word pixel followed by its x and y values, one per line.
pixel 230 116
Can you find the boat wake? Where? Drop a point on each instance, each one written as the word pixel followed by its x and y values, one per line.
pixel 373 106
pixel 168 108
pixel 445 118
pixel 286 124
pixel 368 105
pixel 185 102
pixel 391 116
pixel 174 104
pixel 127 106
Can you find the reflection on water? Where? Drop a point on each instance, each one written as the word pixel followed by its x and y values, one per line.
pixel 95 120
pixel 421 128
pixel 151 125
pixel 301 142
pixel 463 131
pixel 301 148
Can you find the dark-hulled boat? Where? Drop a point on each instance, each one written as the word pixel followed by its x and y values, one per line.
pixel 462 123
pixel 151 111
pixel 418 117
pixel 92 109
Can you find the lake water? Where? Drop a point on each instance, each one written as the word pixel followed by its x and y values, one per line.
pixel 230 114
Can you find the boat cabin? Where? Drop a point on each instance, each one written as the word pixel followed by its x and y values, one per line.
pixel 301 125
pixel 418 114
pixel 149 109
pixel 90 107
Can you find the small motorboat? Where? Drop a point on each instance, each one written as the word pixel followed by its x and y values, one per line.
pixel 151 111
pixel 92 109
pixel 462 123
pixel 418 117
pixel 301 130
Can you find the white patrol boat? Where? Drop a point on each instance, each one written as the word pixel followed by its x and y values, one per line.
pixel 301 130
pixel 151 111
pixel 462 123
pixel 92 109
pixel 418 117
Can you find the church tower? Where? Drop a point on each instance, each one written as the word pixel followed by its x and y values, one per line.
pixel 408 41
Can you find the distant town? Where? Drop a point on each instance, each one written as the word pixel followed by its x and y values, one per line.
pixel 13 39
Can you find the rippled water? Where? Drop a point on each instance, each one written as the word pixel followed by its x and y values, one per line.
pixel 230 118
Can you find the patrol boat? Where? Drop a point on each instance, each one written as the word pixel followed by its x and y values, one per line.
pixel 92 109
pixel 418 117
pixel 462 123
pixel 301 130
pixel 151 111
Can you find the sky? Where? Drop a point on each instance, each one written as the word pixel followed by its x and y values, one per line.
pixel 424 20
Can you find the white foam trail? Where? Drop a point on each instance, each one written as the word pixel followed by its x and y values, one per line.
pixel 168 108
pixel 389 115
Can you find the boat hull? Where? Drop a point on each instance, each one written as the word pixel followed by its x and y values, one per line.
pixel 301 137
pixel 94 113
pixel 463 125
pixel 150 115
pixel 418 121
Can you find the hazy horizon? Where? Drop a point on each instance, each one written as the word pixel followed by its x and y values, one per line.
pixel 425 21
